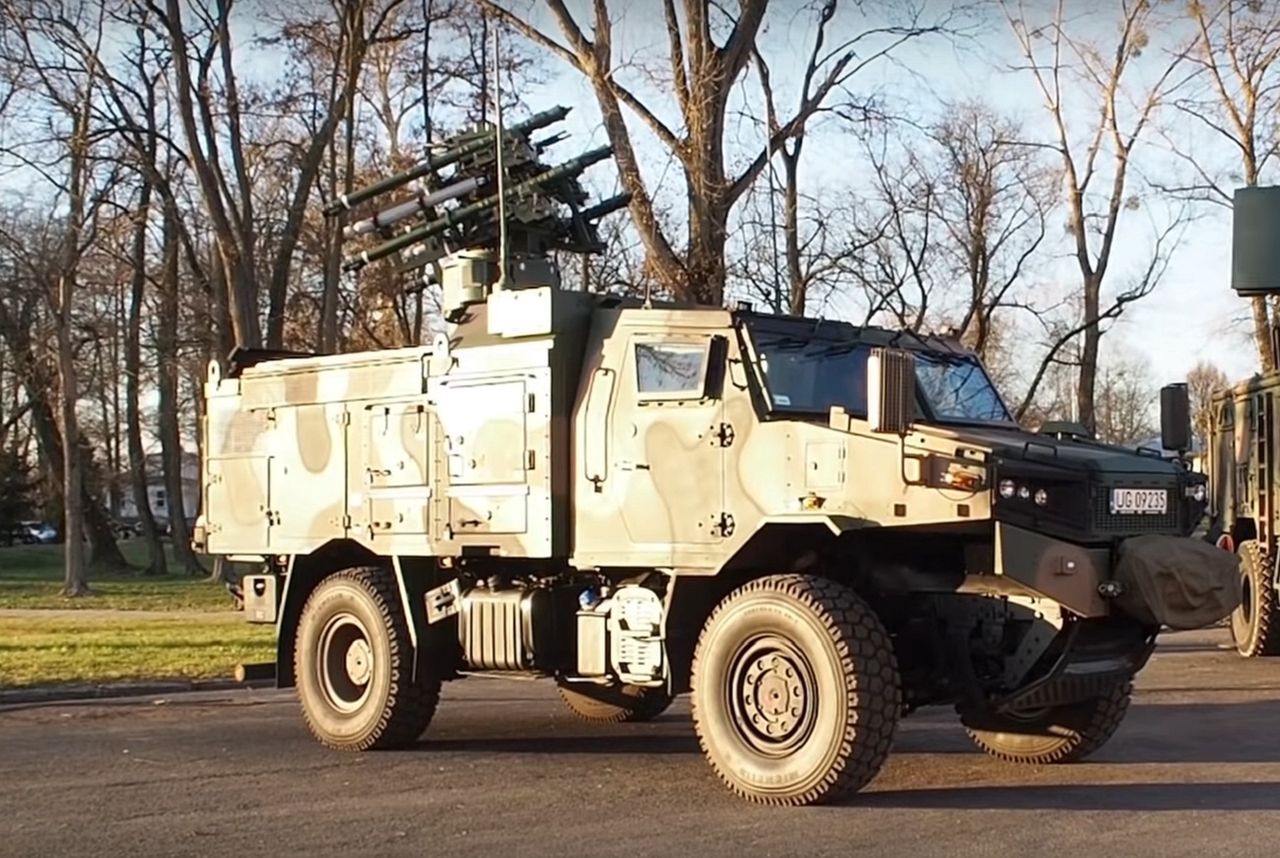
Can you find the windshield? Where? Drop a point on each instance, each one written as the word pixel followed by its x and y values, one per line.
pixel 958 389
pixel 804 375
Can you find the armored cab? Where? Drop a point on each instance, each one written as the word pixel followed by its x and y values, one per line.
pixel 811 528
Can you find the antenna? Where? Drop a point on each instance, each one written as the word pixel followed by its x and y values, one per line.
pixel 500 142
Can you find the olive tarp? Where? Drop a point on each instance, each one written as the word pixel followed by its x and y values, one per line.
pixel 1178 582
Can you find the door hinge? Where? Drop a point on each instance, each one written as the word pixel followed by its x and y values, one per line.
pixel 725 526
pixel 725 434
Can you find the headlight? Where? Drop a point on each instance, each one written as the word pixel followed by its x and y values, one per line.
pixel 1197 492
pixel 1006 488
pixel 1042 497
pixel 1024 492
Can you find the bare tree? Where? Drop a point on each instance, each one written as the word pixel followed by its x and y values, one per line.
pixel 230 203
pixel 1237 101
pixel 1204 381
pixel 1124 402
pixel 702 72
pixel 49 65
pixel 1061 62
pixel 994 198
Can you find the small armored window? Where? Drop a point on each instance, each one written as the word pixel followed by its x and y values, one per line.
pixel 670 370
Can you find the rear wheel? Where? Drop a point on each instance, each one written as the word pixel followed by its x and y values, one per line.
pixel 1051 734
pixel 354 665
pixel 612 704
pixel 795 693
pixel 1253 625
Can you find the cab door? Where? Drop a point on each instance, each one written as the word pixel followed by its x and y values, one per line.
pixel 667 436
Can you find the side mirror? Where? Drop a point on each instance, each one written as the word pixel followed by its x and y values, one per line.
pixel 891 390
pixel 1175 418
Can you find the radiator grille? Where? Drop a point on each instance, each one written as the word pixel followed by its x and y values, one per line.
pixel 1107 522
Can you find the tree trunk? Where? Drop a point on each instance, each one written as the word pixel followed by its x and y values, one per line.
pixel 327 340
pixel 1089 355
pixel 235 242
pixel 791 229
pixel 133 379
pixel 75 575
pixel 168 370
pixel 1262 333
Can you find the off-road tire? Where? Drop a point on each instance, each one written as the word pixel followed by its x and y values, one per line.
pixel 614 704
pixel 1254 626
pixel 842 680
pixel 397 708
pixel 1061 734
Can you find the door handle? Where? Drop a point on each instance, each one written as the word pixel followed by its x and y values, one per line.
pixel 632 466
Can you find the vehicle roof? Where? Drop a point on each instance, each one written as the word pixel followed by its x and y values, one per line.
pixel 834 330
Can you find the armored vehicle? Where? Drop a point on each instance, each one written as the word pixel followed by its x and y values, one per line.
pixel 1243 443
pixel 811 528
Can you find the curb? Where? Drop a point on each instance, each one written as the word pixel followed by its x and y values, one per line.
pixel 110 690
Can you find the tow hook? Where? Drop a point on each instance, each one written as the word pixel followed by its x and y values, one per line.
pixel 1110 589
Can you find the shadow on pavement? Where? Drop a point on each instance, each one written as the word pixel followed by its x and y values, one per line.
pixel 1088 797
pixel 558 745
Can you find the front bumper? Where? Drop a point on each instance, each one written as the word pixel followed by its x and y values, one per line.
pixel 1062 571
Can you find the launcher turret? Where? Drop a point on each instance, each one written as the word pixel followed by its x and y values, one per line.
pixel 469 205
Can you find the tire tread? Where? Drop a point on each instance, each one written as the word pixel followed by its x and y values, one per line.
pixel 1264 637
pixel 648 704
pixel 869 666
pixel 1103 720
pixel 410 704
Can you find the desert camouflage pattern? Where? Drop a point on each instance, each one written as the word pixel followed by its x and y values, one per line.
pixel 588 429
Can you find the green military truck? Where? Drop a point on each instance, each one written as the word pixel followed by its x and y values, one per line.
pixel 811 528
pixel 1243 443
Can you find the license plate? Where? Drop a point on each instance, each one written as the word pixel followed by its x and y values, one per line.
pixel 1139 501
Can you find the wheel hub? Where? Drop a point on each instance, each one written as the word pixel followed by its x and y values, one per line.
pixel 346 663
pixel 773 702
pixel 359 661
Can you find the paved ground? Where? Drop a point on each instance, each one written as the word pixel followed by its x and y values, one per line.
pixel 1195 770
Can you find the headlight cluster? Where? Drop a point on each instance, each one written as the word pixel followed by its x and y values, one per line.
pixel 1009 489
pixel 1197 493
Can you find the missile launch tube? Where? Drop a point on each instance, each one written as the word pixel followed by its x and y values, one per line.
pixel 569 168
pixel 444 159
pixel 421 202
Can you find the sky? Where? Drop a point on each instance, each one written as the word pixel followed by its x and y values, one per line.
pixel 1192 316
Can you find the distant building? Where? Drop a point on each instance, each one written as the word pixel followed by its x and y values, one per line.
pixel 158 492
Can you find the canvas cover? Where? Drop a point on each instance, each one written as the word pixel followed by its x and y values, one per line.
pixel 1179 582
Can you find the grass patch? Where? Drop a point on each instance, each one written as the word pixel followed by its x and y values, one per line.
pixel 31 577
pixel 87 649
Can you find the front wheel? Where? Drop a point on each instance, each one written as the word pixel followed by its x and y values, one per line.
pixel 1051 734
pixel 795 696
pixel 354 665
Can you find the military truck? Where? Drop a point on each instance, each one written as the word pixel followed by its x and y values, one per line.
pixel 1242 441
pixel 811 528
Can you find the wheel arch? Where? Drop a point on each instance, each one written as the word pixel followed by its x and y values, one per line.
pixel 304 572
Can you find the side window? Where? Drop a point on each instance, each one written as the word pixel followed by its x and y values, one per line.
pixel 667 370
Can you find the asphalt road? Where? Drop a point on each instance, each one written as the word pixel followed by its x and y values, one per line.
pixel 505 770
